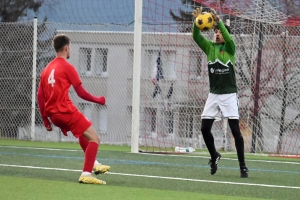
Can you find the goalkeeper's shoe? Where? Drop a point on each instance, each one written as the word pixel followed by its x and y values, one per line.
pixel 244 172
pixel 89 179
pixel 214 163
pixel 101 169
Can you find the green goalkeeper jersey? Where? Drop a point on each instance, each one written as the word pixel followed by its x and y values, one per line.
pixel 220 59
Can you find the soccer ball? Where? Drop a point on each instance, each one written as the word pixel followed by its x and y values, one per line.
pixel 205 21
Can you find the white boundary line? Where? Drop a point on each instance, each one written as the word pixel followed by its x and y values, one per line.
pixel 48 149
pixel 158 177
pixel 250 160
pixel 192 156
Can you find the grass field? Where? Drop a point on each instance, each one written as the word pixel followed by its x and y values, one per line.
pixel 38 170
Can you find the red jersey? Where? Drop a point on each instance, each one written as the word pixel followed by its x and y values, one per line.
pixel 56 80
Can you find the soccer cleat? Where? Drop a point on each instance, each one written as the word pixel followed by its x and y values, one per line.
pixel 244 172
pixel 89 179
pixel 101 169
pixel 214 164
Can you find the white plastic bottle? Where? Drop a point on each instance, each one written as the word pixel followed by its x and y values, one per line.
pixel 190 149
pixel 184 149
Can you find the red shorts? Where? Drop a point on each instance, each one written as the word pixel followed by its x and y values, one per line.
pixel 75 122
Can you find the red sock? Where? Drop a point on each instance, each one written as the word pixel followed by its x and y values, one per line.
pixel 90 156
pixel 83 142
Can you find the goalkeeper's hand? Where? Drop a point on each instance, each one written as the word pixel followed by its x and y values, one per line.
pixel 214 15
pixel 47 124
pixel 196 12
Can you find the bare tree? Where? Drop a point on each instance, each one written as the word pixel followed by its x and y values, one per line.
pixel 16 53
pixel 11 11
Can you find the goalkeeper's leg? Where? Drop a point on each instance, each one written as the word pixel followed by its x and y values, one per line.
pixel 239 145
pixel 98 167
pixel 206 126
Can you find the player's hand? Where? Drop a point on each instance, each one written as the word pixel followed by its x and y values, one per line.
pixel 47 124
pixel 101 100
pixel 64 131
pixel 153 81
pixel 214 15
pixel 49 128
pixel 196 12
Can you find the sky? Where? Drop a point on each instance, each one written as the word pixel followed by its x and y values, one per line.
pixel 156 13
pixel 117 15
pixel 105 11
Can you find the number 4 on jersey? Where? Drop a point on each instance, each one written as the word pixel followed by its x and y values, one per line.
pixel 51 79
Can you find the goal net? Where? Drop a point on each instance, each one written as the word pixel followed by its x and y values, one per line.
pixel 266 34
pixel 174 78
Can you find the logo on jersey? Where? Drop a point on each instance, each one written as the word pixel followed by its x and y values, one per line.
pixel 219 71
pixel 222 71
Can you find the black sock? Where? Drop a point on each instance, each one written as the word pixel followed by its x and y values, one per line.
pixel 206 125
pixel 239 141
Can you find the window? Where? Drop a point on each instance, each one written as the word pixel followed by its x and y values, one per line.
pixel 151 56
pixel 153 120
pixel 102 118
pixel 167 62
pixel 170 64
pixel 150 119
pixel 186 122
pixel 129 111
pixel 86 109
pixel 101 61
pixel 85 61
pixel 93 61
pixel 194 65
pixel 189 125
pixel 97 114
pixel 169 121
pixel 130 62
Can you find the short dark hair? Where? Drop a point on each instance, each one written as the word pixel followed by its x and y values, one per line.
pixel 216 27
pixel 59 41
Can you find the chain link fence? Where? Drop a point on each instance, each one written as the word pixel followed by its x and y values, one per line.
pixel 267 71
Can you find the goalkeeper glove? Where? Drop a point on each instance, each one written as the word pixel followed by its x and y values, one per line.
pixel 197 12
pixel 214 15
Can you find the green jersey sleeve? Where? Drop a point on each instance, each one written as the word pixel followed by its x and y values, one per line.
pixel 205 44
pixel 227 38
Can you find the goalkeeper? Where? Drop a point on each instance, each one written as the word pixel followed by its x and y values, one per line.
pixel 222 100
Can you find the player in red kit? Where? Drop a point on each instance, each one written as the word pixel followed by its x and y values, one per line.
pixel 55 104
